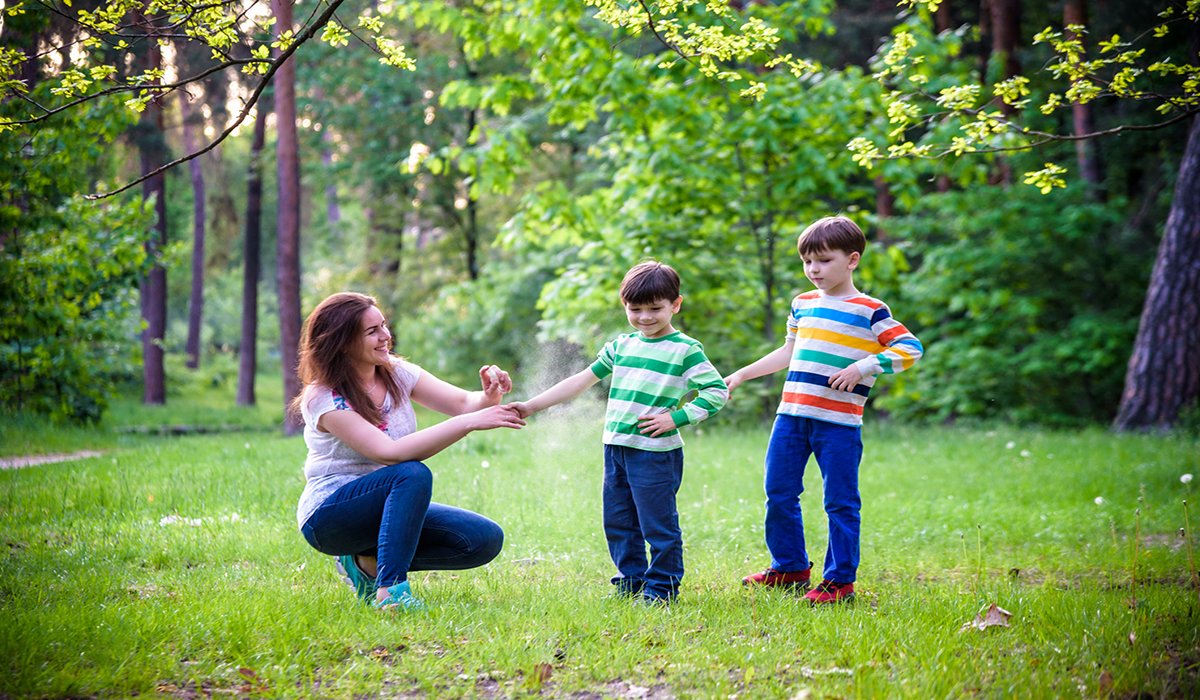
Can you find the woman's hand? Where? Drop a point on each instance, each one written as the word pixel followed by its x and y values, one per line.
pixel 492 417
pixel 495 381
pixel 523 410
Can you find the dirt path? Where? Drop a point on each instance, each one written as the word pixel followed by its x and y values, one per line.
pixel 31 460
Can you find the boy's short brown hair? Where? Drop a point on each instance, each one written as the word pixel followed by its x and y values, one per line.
pixel 648 282
pixel 832 233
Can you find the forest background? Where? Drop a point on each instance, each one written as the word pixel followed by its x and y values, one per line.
pixel 493 197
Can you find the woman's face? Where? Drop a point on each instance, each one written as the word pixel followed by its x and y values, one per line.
pixel 374 341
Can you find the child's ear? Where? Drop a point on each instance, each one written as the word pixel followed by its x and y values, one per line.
pixel 854 258
pixel 675 306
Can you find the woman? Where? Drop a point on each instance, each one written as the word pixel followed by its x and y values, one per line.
pixel 367 496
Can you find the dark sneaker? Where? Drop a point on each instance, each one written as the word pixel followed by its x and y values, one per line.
pixel 829 592
pixel 655 601
pixel 400 599
pixel 355 577
pixel 784 579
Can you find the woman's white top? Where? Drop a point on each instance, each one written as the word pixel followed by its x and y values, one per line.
pixel 331 463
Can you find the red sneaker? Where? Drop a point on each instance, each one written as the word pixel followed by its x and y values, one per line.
pixel 828 592
pixel 786 579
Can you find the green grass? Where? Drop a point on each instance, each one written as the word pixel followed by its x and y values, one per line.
pixel 100 598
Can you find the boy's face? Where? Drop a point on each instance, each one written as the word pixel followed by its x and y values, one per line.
pixel 653 319
pixel 831 271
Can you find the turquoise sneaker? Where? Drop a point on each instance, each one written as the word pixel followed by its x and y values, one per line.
pixel 355 577
pixel 399 598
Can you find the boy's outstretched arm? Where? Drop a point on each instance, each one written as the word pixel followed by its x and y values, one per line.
pixel 777 359
pixel 565 390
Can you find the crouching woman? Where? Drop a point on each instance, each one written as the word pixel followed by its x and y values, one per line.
pixel 366 499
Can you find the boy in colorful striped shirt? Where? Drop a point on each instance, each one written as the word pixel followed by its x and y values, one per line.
pixel 651 372
pixel 838 340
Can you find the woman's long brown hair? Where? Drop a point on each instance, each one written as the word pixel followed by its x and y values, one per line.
pixel 330 330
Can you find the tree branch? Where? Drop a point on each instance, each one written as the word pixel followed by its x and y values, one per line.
pixel 300 39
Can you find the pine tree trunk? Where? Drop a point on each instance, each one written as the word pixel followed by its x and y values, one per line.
pixel 1164 370
pixel 288 244
pixel 1087 152
pixel 248 353
pixel 152 151
pixel 196 300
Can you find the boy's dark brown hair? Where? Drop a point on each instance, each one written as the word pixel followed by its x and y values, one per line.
pixel 832 233
pixel 649 282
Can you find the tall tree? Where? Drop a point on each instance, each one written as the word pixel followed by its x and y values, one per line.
pixel 252 264
pixel 153 149
pixel 1087 151
pixel 287 274
pixel 196 300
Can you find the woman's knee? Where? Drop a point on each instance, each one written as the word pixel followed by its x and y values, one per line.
pixel 491 543
pixel 413 475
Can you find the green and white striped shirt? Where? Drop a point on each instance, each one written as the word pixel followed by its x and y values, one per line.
pixel 651 376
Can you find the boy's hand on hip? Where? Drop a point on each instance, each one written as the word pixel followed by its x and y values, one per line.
pixel 656 425
pixel 846 379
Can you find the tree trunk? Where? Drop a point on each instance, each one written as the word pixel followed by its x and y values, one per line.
pixel 152 151
pixel 1164 370
pixel 196 301
pixel 1006 32
pixel 472 233
pixel 248 353
pixel 1087 152
pixel 288 248
pixel 333 211
pixel 885 207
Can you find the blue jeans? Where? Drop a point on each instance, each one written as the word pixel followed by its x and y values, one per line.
pixel 838 449
pixel 387 514
pixel 639 509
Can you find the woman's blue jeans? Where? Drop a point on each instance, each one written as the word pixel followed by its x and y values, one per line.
pixel 838 449
pixel 387 514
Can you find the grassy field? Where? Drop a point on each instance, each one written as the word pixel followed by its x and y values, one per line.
pixel 171 566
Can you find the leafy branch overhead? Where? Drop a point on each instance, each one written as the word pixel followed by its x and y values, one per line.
pixel 933 115
pixel 236 35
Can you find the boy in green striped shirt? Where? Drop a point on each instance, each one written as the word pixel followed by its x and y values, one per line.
pixel 651 372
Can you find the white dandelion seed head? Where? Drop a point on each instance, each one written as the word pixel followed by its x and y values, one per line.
pixel 1186 478
pixel 485 464
pixel 1010 445
pixel 1099 500
pixel 1024 453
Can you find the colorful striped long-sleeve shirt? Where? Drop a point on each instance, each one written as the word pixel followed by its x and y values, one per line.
pixel 650 376
pixel 832 333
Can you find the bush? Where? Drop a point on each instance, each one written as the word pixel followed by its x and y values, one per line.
pixel 1027 305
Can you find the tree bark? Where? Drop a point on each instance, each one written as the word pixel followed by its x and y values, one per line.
pixel 196 301
pixel 1164 370
pixel 472 232
pixel 152 152
pixel 288 243
pixel 1006 33
pixel 1087 152
pixel 885 207
pixel 248 353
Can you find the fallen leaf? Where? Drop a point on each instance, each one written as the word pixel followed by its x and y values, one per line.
pixel 247 673
pixel 543 672
pixel 994 616
pixel 1106 682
